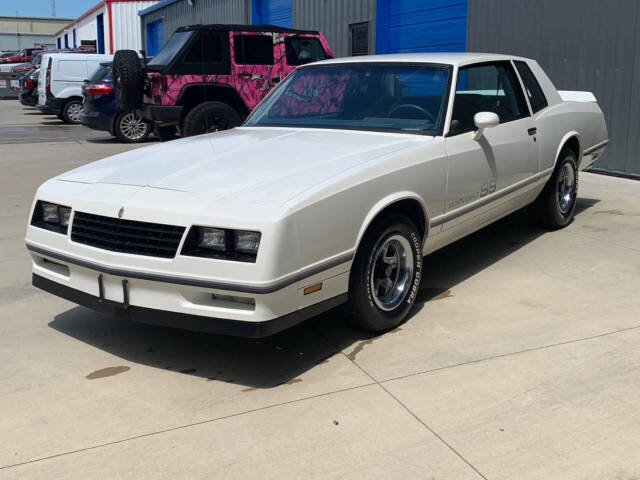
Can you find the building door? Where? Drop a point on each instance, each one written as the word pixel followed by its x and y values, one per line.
pixel 421 26
pixel 271 12
pixel 66 40
pixel 59 43
pixel 100 32
pixel 154 37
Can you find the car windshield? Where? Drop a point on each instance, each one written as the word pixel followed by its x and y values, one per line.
pixel 383 97
pixel 169 50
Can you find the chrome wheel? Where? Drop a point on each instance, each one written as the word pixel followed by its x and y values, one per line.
pixel 391 272
pixel 132 127
pixel 566 187
pixel 73 111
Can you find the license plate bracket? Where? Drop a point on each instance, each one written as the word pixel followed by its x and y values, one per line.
pixel 125 293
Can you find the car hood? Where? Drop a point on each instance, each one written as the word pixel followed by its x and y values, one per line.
pixel 259 165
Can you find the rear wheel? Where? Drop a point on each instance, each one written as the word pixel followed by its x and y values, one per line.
pixel 385 275
pixel 210 117
pixel 555 206
pixel 130 128
pixel 128 80
pixel 71 111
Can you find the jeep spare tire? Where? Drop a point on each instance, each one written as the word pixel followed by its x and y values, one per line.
pixel 128 79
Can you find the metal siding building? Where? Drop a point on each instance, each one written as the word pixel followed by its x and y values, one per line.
pixel 332 18
pixel 22 32
pixel 171 14
pixel 597 50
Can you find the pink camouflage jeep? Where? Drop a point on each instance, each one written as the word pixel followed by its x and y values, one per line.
pixel 209 77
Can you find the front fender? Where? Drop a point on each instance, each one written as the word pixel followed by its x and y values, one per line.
pixel 386 202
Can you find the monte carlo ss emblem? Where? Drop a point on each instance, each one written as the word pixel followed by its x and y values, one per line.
pixel 120 212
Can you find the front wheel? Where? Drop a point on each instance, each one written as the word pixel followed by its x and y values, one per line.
pixel 71 111
pixel 385 276
pixel 555 206
pixel 129 128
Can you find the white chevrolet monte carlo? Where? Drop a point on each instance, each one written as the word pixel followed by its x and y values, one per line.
pixel 332 191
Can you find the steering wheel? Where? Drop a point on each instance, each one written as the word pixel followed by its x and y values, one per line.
pixel 427 114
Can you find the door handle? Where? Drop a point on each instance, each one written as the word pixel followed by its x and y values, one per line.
pixel 532 131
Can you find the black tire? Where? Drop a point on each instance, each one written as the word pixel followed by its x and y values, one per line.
pixel 210 117
pixel 71 111
pixel 165 133
pixel 129 128
pixel 552 209
pixel 366 308
pixel 128 80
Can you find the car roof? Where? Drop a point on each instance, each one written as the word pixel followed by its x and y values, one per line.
pixel 446 58
pixel 244 28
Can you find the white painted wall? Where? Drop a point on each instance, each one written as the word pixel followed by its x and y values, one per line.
pixel 126 24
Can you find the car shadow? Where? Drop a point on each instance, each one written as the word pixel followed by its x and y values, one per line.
pixel 281 358
pixel 103 140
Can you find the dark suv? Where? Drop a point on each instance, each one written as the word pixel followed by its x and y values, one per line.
pixel 209 77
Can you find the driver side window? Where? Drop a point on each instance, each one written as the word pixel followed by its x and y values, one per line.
pixel 486 88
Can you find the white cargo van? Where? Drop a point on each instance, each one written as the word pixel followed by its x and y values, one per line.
pixel 60 82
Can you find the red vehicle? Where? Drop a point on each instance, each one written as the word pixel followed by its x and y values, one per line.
pixel 209 77
pixel 23 56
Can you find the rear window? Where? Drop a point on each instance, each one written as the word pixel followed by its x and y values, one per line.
pixel 536 96
pixel 253 49
pixel 301 50
pixel 103 72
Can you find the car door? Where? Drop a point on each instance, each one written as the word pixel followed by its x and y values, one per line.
pixel 485 174
pixel 253 65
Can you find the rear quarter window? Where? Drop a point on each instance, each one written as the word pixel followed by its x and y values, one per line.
pixel 532 88
pixel 301 50
pixel 253 49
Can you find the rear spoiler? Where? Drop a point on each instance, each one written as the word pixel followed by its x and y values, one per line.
pixel 575 96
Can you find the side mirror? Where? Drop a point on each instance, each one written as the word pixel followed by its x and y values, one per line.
pixel 484 120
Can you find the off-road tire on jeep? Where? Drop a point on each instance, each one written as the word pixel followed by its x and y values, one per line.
pixel 128 80
pixel 165 133
pixel 210 117
pixel 391 238
pixel 555 206
pixel 71 110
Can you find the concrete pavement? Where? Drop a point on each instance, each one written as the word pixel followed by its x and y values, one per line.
pixel 521 360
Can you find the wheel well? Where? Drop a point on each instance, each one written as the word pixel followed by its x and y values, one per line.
pixel 573 144
pixel 409 207
pixel 194 95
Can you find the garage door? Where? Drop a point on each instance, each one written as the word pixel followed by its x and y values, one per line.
pixel 271 12
pixel 154 37
pixel 421 26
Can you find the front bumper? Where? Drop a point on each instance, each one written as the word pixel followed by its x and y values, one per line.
pixel 200 323
pixel 161 114
pixel 186 302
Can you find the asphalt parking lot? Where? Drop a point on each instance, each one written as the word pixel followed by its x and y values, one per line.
pixel 521 360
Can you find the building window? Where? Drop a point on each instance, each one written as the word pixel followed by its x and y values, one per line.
pixel 359 38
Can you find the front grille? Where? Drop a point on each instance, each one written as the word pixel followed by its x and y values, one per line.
pixel 126 236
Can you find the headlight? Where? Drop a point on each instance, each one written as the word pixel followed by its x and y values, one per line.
pixel 246 242
pixel 213 238
pixel 51 216
pixel 238 245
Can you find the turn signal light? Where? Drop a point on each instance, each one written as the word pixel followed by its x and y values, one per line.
pixel 98 89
